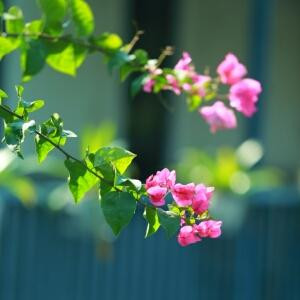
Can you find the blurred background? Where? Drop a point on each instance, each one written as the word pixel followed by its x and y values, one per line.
pixel 52 249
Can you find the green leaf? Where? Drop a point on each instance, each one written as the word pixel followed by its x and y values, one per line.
pixel 43 147
pixel 141 56
pixel 151 216
pixel 53 130
pixel 34 28
pixel 8 45
pixel 109 41
pixel 54 13
pixel 80 53
pixel 14 134
pixel 193 102
pixel 83 17
pixel 33 59
pixel 19 90
pixel 119 59
pixel 80 179
pixel 1 8
pixel 14 20
pixel 32 106
pixel 61 57
pixel 118 209
pixel 126 181
pixel 3 94
pixel 118 157
pixel 137 84
pixel 126 70
pixel 169 221
pixel 160 83
pixel 107 170
pixel 7 117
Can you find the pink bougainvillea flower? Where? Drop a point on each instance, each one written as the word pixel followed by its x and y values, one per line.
pixel 157 195
pixel 183 194
pixel 231 70
pixel 244 94
pixel 187 87
pixel 166 178
pixel 163 178
pixel 148 85
pixel 187 235
pixel 218 116
pixel 184 63
pixel 211 229
pixel 173 84
pixel 202 198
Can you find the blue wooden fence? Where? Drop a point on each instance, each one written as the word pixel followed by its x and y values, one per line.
pixel 38 261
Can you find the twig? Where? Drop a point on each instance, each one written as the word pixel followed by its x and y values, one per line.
pixel 59 148
pixel 166 52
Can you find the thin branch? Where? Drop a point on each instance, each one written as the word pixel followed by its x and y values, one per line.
pixel 166 52
pixel 59 148
pixel 134 40
pixel 65 38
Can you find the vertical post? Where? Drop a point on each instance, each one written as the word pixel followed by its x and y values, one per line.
pixel 260 25
pixel 147 118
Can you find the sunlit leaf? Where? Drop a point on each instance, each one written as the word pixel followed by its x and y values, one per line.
pixel 61 57
pixel 119 157
pixel 83 17
pixel 7 45
pixel 151 216
pixel 14 20
pixel 80 179
pixel 109 41
pixel 54 13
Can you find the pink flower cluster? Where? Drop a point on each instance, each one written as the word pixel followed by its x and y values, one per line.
pixel 243 95
pixel 183 78
pixel 243 92
pixel 192 234
pixel 195 197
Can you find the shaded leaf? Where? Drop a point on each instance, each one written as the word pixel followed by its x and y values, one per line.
pixel 169 221
pixel 33 59
pixel 119 59
pixel 8 118
pixel 137 84
pixel 118 209
pixel 14 134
